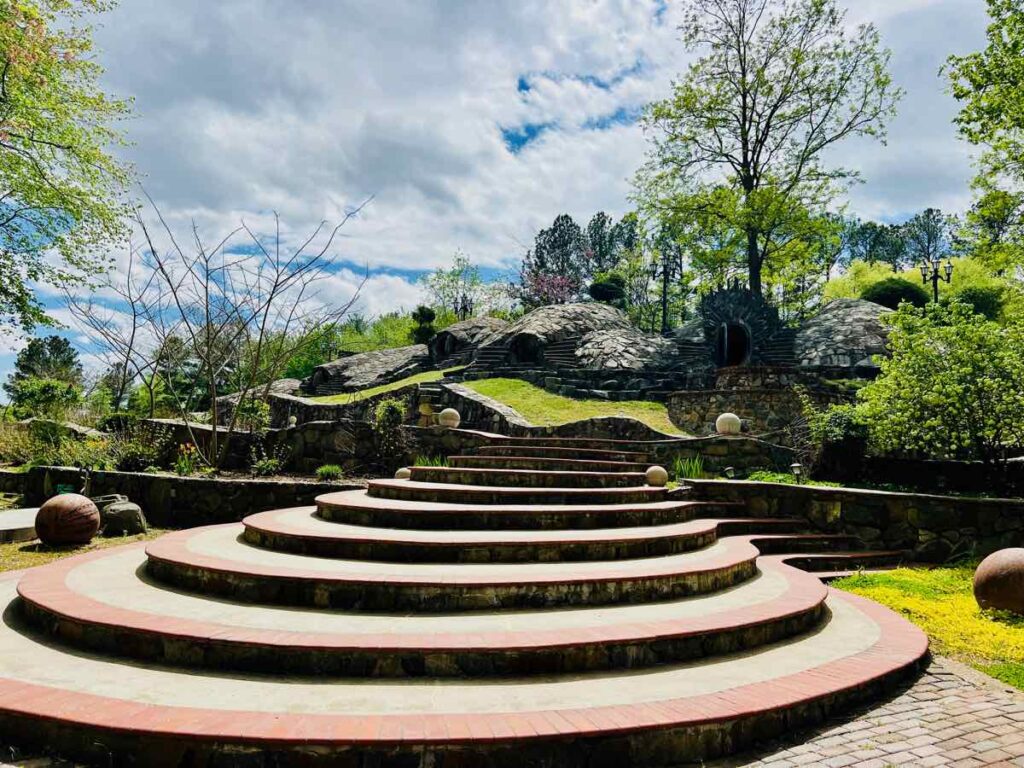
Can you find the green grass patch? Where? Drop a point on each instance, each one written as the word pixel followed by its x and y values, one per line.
pixel 354 397
pixel 546 409
pixel 18 555
pixel 941 602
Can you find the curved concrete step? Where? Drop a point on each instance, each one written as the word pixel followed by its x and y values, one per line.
pixel 301 531
pixel 214 561
pixel 17 525
pixel 547 452
pixel 94 707
pixel 409 490
pixel 545 464
pixel 526 478
pixel 361 508
pixel 848 561
pixel 99 602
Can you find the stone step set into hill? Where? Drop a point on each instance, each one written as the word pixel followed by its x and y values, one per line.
pixel 535 604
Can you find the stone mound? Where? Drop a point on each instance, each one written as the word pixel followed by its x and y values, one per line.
pixel 561 321
pixel 846 333
pixel 465 334
pixel 624 348
pixel 368 369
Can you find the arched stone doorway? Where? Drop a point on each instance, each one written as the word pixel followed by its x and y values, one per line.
pixel 732 347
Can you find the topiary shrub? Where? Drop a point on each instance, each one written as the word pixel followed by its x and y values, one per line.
pixel 893 291
pixel 609 289
pixel 388 416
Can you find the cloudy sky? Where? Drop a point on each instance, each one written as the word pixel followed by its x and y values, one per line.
pixel 471 123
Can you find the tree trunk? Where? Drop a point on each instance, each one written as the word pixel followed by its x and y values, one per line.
pixel 753 262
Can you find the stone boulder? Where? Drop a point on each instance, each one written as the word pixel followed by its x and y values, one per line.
pixel 368 369
pixel 624 349
pixel 847 333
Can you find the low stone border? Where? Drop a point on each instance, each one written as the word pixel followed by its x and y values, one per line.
pixel 934 528
pixel 169 501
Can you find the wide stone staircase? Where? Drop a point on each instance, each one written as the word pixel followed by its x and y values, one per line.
pixel 534 604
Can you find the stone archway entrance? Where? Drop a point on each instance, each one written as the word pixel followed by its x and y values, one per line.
pixel 732 346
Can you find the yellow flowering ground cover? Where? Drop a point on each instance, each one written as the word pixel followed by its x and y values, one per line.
pixel 941 602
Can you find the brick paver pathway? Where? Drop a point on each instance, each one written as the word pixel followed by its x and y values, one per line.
pixel 950 716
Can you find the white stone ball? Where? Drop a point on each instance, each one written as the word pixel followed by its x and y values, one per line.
pixel 403 474
pixel 449 418
pixel 657 476
pixel 728 424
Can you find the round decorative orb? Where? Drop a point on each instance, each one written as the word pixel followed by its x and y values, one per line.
pixel 728 424
pixel 999 581
pixel 657 476
pixel 403 474
pixel 449 418
pixel 67 519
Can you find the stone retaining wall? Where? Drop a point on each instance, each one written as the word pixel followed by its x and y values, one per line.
pixel 934 528
pixel 12 482
pixel 283 407
pixel 169 501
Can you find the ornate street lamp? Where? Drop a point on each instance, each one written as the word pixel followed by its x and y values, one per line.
pixel 934 271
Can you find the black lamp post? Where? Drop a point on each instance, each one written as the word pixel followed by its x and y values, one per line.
pixel 465 307
pixel 933 271
pixel 666 269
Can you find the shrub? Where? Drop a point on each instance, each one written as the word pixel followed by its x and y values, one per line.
pixel 252 414
pixel 16 445
pixel 134 454
pixel 893 291
pixel 986 301
pixel 119 422
pixel 262 463
pixel 424 330
pixel 952 388
pixel 329 472
pixel 47 398
pixel 388 416
pixel 609 289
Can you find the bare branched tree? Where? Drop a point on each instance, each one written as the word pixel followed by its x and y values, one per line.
pixel 208 319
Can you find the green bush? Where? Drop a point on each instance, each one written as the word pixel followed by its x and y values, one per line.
pixel 609 289
pixel 430 461
pixel 263 464
pixel 16 445
pixel 329 472
pixel 134 454
pixel 45 398
pixel 986 301
pixel 119 422
pixel 683 468
pixel 387 427
pixel 893 291
pixel 253 415
pixel 951 389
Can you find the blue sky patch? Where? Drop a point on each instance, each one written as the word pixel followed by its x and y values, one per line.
pixel 517 138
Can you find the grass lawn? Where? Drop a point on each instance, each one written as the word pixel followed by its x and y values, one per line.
pixel 543 408
pixel 941 602
pixel 26 554
pixel 354 397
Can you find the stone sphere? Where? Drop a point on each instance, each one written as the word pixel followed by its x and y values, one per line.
pixel 657 476
pixel 449 418
pixel 728 424
pixel 403 474
pixel 999 581
pixel 67 519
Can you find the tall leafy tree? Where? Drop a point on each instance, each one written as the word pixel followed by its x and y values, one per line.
pixel 876 243
pixel 60 187
pixel 778 83
pixel 929 235
pixel 990 86
pixel 51 357
pixel 554 270
pixel 603 248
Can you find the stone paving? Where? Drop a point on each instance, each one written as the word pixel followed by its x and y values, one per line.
pixel 951 716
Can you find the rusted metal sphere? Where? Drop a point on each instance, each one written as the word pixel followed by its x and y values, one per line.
pixel 999 581
pixel 67 519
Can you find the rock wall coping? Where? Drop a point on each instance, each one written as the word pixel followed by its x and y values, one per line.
pixel 934 528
